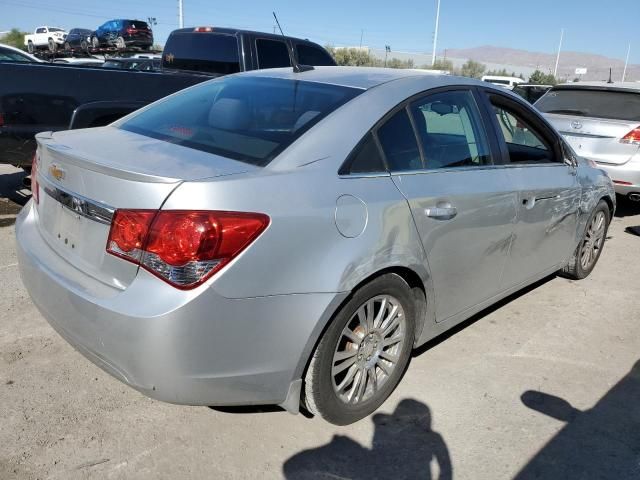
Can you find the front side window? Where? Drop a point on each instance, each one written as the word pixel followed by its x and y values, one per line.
pixel 41 30
pixel 272 54
pixel 251 119
pixel 450 129
pixel 524 143
pixel 399 144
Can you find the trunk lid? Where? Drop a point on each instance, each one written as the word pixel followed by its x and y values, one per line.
pixel 595 138
pixel 84 176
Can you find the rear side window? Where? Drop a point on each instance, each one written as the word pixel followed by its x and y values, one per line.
pixel 586 102
pixel 309 55
pixel 251 119
pixel 366 158
pixel 204 52
pixel 399 143
pixel 272 54
pixel 450 128
pixel 524 143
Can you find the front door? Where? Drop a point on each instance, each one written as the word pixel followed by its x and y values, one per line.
pixel 439 156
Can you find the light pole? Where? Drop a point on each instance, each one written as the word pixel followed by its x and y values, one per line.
pixel 626 62
pixel 387 49
pixel 555 71
pixel 435 35
pixel 180 15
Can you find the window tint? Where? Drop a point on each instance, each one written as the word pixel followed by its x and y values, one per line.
pixel 309 55
pixel 7 55
pixel 206 52
pixel 450 128
pixel 251 119
pixel 41 30
pixel 399 143
pixel 366 158
pixel 524 143
pixel 592 103
pixel 272 54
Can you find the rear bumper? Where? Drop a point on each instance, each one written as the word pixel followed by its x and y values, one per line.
pixel 195 348
pixel 629 172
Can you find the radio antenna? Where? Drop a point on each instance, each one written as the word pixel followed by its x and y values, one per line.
pixel 297 68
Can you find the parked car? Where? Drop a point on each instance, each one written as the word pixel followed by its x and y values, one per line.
pixel 601 121
pixel 78 39
pixel 13 54
pixel 531 92
pixel 144 64
pixel 45 37
pixel 295 236
pixel 39 98
pixel 122 34
pixel 506 82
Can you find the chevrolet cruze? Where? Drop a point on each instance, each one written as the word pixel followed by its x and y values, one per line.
pixel 288 238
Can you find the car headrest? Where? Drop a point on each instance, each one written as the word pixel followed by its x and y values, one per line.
pixel 304 119
pixel 230 114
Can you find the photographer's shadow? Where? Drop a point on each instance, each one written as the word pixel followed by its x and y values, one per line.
pixel 404 446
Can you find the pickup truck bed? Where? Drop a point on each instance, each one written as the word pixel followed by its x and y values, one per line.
pixel 62 89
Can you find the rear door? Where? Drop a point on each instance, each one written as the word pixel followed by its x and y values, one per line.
pixel 546 185
pixel 595 120
pixel 440 157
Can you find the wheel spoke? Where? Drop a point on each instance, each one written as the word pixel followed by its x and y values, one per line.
pixel 393 340
pixel 384 367
pixel 377 322
pixel 362 385
pixel 391 325
pixel 390 357
pixel 343 366
pixel 345 381
pixel 344 354
pixel 370 310
pixel 351 335
pixel 374 379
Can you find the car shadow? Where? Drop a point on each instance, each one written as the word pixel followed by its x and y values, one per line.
pixel 601 443
pixel 626 208
pixel 404 447
pixel 478 316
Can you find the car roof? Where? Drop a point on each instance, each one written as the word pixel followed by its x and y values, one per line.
pixel 235 31
pixel 358 77
pixel 18 50
pixel 600 86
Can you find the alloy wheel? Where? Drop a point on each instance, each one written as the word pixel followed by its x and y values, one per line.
pixel 593 240
pixel 368 350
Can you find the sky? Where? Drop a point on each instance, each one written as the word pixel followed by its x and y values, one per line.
pixel 592 26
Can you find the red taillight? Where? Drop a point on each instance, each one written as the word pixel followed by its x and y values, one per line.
pixel 131 30
pixel 184 248
pixel 1 120
pixel 35 190
pixel 633 137
pixel 203 29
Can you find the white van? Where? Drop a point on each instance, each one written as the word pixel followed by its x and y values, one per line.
pixel 506 82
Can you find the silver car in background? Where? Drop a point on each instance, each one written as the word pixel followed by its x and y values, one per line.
pixel 601 121
pixel 288 238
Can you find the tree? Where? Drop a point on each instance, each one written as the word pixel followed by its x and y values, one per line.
pixel 353 57
pixel 540 78
pixel 472 69
pixel 443 64
pixel 15 38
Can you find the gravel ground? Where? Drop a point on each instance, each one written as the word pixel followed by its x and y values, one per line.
pixel 545 385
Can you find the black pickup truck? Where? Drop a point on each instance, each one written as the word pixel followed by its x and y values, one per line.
pixel 37 97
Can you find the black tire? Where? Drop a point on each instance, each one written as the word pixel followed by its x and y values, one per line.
pixel 120 43
pixel 320 396
pixel 84 46
pixel 53 46
pixel 95 43
pixel 575 268
pixel 67 47
pixel 30 47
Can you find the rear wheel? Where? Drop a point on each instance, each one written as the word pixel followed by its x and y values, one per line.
pixel 120 43
pixel 84 46
pixel 30 47
pixel 363 354
pixel 586 256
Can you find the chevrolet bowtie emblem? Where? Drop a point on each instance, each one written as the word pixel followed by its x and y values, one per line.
pixel 169 57
pixel 56 172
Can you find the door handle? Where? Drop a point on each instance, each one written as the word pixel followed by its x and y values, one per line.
pixel 442 211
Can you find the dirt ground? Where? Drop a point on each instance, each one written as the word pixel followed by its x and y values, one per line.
pixel 545 385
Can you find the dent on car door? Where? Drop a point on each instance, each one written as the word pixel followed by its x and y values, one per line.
pixel 439 154
pixel 547 187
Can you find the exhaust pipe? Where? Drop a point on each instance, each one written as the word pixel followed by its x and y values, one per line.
pixel 634 197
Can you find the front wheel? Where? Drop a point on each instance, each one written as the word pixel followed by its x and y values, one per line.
pixel 120 43
pixel 95 42
pixel 586 256
pixel 30 47
pixel 53 46
pixel 363 354
pixel 67 47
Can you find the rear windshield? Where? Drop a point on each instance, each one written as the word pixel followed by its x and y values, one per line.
pixel 136 24
pixel 592 103
pixel 202 52
pixel 248 119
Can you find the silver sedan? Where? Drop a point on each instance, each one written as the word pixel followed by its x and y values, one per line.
pixel 288 238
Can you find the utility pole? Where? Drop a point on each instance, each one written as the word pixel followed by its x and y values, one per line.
pixel 387 49
pixel 180 15
pixel 626 63
pixel 361 34
pixel 435 35
pixel 555 71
